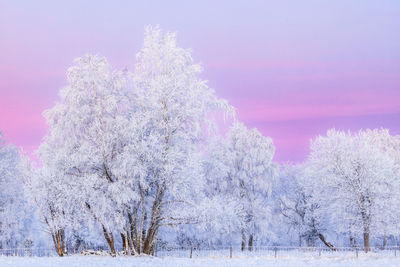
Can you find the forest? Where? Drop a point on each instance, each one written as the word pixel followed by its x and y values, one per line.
pixel 153 157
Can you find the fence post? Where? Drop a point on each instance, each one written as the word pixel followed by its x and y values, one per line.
pixel 230 252
pixel 276 251
pixel 356 252
pixel 395 251
pixel 191 251
pixel 319 252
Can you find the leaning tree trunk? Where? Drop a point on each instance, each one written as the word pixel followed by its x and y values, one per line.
pixel 59 242
pixel 156 213
pixel 110 240
pixel 150 240
pixel 329 245
pixel 107 235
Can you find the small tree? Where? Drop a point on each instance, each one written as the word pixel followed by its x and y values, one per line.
pixel 15 212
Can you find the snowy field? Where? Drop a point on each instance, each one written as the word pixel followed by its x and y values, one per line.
pixel 285 260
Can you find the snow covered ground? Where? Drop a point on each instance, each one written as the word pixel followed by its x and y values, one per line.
pixel 295 260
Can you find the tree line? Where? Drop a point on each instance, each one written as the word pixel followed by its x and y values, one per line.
pixel 136 159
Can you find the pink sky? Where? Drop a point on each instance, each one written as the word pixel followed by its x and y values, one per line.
pixel 292 69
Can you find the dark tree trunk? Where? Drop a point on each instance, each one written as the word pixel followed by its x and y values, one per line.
pixel 326 243
pixel 366 241
pixel 366 203
pixel 243 239
pixel 366 231
pixel 300 241
pixel 352 241
pixel 250 242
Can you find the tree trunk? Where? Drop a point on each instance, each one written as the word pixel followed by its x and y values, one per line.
pixel 250 242
pixel 300 241
pixel 110 241
pixel 154 221
pixel 329 245
pixel 243 239
pixel 153 243
pixel 59 243
pixel 366 203
pixel 125 245
pixel 384 242
pixel 132 230
pixel 351 240
pixel 148 245
pixel 366 241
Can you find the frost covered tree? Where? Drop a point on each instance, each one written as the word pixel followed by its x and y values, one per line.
pixel 173 105
pixel 127 148
pixel 46 189
pixel 84 142
pixel 356 180
pixel 301 212
pixel 14 211
pixel 292 200
pixel 242 175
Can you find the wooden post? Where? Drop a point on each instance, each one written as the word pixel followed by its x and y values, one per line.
pixel 191 252
pixel 276 251
pixel 356 252
pixel 230 252
pixel 395 251
pixel 320 252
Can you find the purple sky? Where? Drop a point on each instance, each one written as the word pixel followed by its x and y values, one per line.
pixel 292 69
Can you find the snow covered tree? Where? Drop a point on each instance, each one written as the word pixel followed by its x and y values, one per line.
pixel 84 142
pixel 242 174
pixel 14 211
pixel 49 193
pixel 356 179
pixel 127 149
pixel 293 200
pixel 298 207
pixel 173 105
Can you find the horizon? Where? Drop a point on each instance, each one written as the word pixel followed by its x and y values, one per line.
pixel 292 75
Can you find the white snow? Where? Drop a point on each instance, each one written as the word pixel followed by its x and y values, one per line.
pixel 97 261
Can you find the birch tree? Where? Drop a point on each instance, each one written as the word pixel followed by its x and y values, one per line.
pixel 173 104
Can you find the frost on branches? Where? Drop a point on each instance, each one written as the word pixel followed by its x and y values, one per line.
pixel 128 154
pixel 355 178
pixel 299 210
pixel 123 149
pixel 241 175
pixel 15 213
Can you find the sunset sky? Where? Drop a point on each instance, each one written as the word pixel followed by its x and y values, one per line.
pixel 293 69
